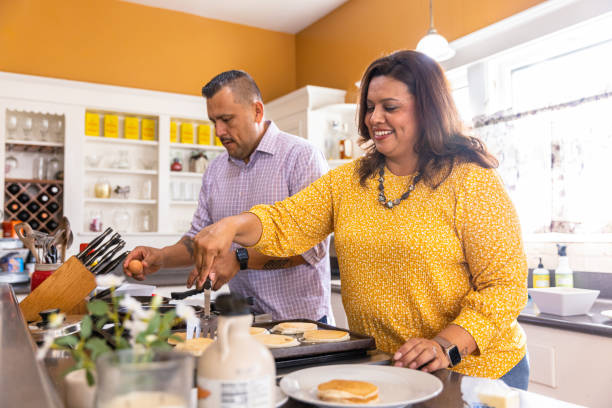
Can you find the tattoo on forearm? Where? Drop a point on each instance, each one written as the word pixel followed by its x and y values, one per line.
pixel 276 264
pixel 188 242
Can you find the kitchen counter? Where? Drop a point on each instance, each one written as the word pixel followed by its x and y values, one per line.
pixel 592 323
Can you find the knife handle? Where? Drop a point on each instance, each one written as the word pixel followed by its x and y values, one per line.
pixel 186 294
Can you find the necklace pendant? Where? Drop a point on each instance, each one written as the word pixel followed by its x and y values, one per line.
pixel 381 198
pixel 389 204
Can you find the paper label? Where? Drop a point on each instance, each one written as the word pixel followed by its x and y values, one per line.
pixel 148 129
pixel 541 281
pixel 173 138
pixel 256 393
pixel 130 128
pixel 92 124
pixel 186 133
pixel 204 134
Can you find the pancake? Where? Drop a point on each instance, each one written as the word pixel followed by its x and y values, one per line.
pixel 325 336
pixel 256 331
pixel 194 346
pixel 293 327
pixel 348 392
pixel 277 340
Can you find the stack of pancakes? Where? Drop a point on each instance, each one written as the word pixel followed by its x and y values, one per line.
pixel 348 392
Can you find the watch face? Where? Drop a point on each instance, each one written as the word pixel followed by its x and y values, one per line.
pixel 454 355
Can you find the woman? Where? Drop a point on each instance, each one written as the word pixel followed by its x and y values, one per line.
pixel 428 241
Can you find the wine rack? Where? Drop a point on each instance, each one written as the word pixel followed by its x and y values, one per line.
pixel 37 202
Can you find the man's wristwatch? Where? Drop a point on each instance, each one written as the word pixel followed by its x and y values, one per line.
pixel 242 255
pixel 451 350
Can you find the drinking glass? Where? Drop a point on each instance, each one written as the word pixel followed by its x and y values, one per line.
pixel 44 129
pixel 26 125
pixel 11 126
pixel 58 129
pixel 121 219
pixel 53 167
pixel 147 190
pixel 144 378
pixel 10 164
pixel 39 168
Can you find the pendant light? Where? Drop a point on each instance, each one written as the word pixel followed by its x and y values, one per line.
pixel 433 44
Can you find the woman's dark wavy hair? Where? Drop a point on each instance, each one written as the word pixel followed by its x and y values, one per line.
pixel 442 142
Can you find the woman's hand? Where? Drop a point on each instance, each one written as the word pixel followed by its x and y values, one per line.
pixel 424 354
pixel 210 243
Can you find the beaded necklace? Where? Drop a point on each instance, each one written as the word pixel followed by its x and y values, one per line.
pixel 381 187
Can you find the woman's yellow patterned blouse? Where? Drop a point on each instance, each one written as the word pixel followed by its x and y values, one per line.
pixel 449 255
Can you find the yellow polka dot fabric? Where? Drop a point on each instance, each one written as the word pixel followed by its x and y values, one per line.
pixel 448 255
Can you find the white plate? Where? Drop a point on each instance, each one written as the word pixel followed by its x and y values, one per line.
pixel 607 313
pixel 398 387
pixel 281 398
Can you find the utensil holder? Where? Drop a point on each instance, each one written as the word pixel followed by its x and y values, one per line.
pixel 65 289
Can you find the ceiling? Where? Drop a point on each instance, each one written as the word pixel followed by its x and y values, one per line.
pixel 289 16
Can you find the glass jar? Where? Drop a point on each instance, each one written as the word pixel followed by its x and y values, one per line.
pixel 121 219
pixel 53 168
pixel 146 219
pixel 39 168
pixel 102 189
pixel 176 165
pixel 144 378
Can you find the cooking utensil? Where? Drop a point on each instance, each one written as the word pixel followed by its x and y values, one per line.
pixel 97 253
pixel 186 294
pixel 113 264
pixel 208 323
pixel 68 237
pixel 25 234
pixel 107 259
pixel 93 244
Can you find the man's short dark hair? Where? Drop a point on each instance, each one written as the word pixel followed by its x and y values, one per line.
pixel 241 83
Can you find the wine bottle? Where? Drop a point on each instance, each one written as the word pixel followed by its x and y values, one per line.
pixel 13 207
pixel 23 198
pixel 13 188
pixel 34 224
pixel 42 198
pixel 53 207
pixel 53 190
pixel 52 225
pixel 23 215
pixel 43 216
pixel 33 207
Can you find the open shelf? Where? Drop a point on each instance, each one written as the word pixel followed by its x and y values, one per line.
pixel 119 201
pixel 33 143
pixel 19 180
pixel 185 174
pixel 112 140
pixel 120 171
pixel 180 202
pixel 191 146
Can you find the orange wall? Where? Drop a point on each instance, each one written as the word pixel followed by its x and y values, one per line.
pixel 335 50
pixel 118 43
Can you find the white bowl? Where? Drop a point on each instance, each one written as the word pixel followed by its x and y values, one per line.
pixel 564 301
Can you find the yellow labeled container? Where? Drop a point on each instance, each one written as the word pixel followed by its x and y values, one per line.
pixel 148 129
pixel 187 133
pixel 111 126
pixel 92 124
pixel 173 138
pixel 204 134
pixel 130 128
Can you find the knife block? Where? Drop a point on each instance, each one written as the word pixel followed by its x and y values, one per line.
pixel 65 289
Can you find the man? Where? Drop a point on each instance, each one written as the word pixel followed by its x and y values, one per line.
pixel 262 165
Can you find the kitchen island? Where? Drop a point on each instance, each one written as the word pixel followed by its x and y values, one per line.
pixel 43 387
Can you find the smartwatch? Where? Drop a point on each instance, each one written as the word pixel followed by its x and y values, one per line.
pixel 451 350
pixel 242 255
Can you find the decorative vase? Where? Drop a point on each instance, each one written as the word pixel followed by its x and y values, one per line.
pixel 78 393
pixel 144 378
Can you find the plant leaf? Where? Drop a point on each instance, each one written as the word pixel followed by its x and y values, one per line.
pixel 67 341
pixel 176 338
pixel 86 327
pixel 101 322
pixel 97 307
pixel 153 326
pixel 90 378
pixel 160 345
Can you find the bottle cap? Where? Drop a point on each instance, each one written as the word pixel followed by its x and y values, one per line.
pixel 232 305
pixel 540 265
pixel 562 250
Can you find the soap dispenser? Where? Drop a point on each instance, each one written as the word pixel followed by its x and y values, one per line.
pixel 564 276
pixel 541 277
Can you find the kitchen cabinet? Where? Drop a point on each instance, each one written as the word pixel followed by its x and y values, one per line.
pixel 319 115
pixel 88 159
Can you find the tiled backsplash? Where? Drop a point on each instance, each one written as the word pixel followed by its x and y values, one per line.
pixel 589 257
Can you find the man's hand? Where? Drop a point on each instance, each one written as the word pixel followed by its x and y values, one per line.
pixel 151 258
pixel 224 268
pixel 424 353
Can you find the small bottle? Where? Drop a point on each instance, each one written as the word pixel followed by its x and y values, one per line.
pixel 564 276
pixel 176 165
pixel 346 149
pixel 541 276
